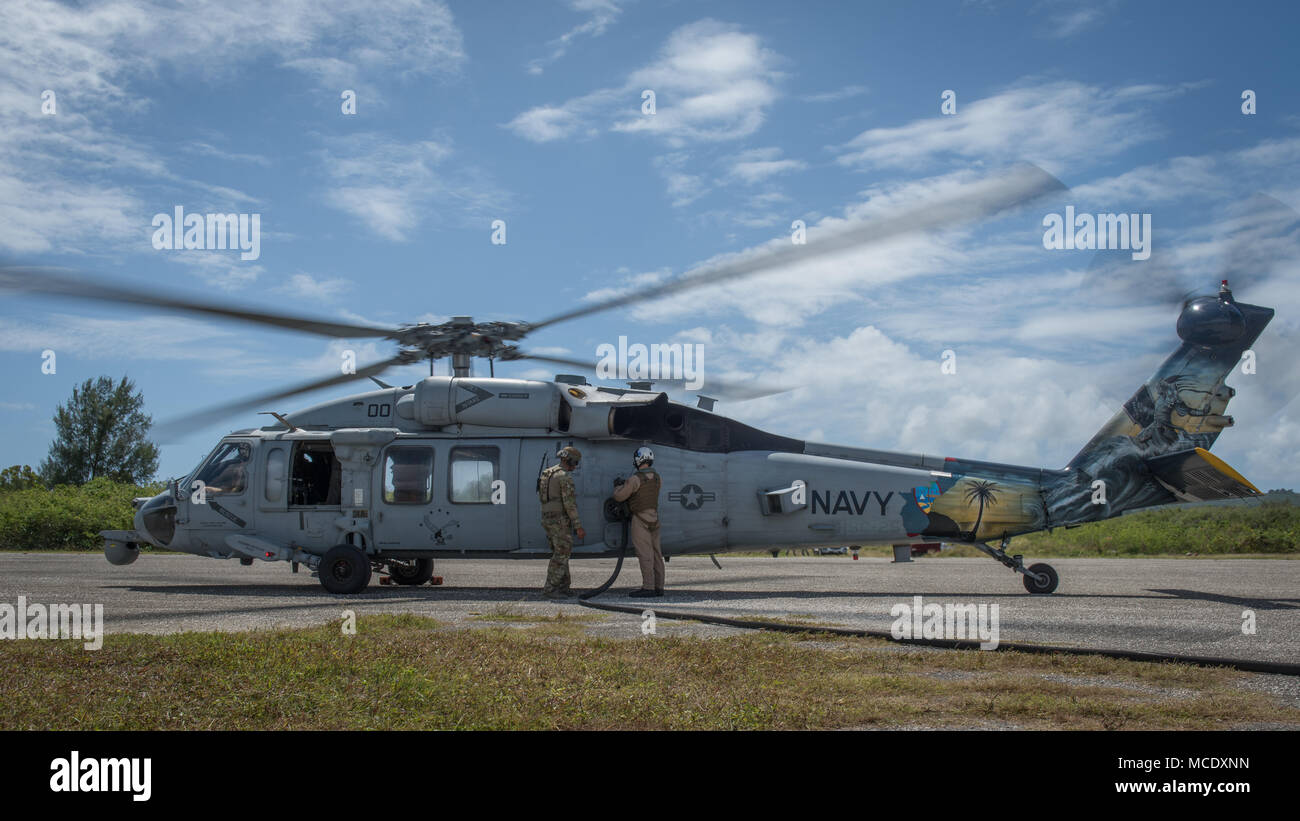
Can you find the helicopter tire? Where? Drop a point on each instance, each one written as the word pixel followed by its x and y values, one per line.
pixel 344 569
pixel 1041 579
pixel 415 574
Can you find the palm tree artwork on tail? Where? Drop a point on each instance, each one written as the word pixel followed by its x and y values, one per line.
pixel 985 493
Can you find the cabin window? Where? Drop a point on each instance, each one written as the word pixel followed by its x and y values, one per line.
pixel 226 473
pixel 277 464
pixel 473 470
pixel 317 477
pixel 408 475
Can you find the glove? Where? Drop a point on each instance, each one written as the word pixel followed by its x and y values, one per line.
pixel 618 481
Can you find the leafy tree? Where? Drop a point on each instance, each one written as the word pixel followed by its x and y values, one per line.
pixel 19 477
pixel 102 432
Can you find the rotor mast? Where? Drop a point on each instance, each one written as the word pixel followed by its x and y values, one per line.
pixel 460 361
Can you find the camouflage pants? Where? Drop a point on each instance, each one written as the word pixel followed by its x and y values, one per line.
pixel 559 532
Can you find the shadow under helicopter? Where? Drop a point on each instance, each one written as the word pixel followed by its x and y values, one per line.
pixel 1239 601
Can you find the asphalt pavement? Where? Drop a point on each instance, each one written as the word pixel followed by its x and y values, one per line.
pixel 1182 606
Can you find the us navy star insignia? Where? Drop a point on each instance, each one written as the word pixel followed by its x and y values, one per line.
pixel 692 497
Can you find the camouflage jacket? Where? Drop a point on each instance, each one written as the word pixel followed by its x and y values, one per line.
pixel 556 491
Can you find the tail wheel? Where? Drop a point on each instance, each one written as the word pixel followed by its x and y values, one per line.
pixel 344 569
pixel 1041 578
pixel 411 571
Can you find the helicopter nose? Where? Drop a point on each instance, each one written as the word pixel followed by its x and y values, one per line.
pixel 156 519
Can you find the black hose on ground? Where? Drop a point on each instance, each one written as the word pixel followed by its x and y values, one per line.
pixel 618 567
pixel 1245 665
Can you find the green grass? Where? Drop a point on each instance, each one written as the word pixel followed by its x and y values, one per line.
pixel 510 613
pixel 409 672
pixel 1269 529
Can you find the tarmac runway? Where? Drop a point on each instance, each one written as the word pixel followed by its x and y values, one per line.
pixel 1183 606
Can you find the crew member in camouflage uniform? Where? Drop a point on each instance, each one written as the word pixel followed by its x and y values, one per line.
pixel 641 492
pixel 560 520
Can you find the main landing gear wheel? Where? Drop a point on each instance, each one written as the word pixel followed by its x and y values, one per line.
pixel 344 569
pixel 1041 578
pixel 413 571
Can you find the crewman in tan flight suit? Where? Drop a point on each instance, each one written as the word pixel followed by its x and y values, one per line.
pixel 641 492
pixel 560 519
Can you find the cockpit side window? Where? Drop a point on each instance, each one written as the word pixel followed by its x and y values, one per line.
pixel 226 472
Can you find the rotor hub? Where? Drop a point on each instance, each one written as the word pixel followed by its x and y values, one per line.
pixel 462 336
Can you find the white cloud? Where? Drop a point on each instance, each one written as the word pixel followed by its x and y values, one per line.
pixel 1066 18
pixel 683 187
pixel 156 338
pixel 1075 20
pixel 393 187
pixel 601 14
pixel 1272 154
pixel 758 164
pixel 711 81
pixel 546 123
pixel 1149 184
pixel 223 269
pixel 305 286
pixel 92 51
pixel 209 150
pixel 95 56
pixel 835 96
pixel 1048 124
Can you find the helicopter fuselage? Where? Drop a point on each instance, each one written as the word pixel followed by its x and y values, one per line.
pixel 448 467
pixel 435 470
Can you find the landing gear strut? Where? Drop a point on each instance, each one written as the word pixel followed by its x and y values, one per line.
pixel 1038 578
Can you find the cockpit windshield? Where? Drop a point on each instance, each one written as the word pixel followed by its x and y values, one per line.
pixel 226 471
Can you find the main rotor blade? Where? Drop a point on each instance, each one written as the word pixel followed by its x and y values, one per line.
pixel 990 196
pixel 174 427
pixel 734 391
pixel 1264 238
pixel 44 281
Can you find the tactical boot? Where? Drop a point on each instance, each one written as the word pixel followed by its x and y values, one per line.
pixel 643 593
pixel 557 594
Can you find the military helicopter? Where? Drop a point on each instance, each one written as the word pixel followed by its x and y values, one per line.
pixel 393 478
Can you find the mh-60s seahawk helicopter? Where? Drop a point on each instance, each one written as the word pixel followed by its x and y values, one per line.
pixel 395 477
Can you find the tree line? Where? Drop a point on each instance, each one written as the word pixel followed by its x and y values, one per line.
pixel 101 432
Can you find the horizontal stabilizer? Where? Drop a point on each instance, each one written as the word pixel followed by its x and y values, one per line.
pixel 1197 475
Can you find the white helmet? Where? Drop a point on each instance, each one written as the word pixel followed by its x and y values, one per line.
pixel 643 456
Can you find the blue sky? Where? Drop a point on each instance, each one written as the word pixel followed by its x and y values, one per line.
pixel 766 113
